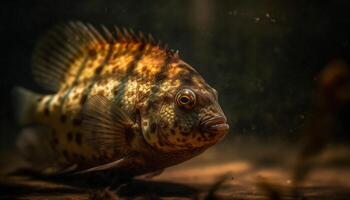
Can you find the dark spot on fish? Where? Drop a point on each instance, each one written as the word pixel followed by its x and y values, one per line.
pixel 164 125
pixel 83 99
pixel 92 53
pixel 61 98
pixel 178 139
pixel 168 98
pixel 115 55
pixel 157 104
pixel 98 70
pixel 63 118
pixel 160 77
pixel 141 48
pixel 77 121
pixel 39 99
pixel 47 111
pixel 101 82
pixel 85 80
pixel 131 93
pixel 69 136
pixel 76 95
pixel 78 138
pixel 153 127
pixel 104 81
pixel 199 139
pixel 115 69
pixel 101 92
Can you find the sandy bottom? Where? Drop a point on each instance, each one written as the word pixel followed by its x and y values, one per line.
pixel 212 175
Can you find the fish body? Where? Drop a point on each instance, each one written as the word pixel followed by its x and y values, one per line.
pixel 119 103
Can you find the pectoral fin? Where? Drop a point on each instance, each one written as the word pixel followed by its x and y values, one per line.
pixel 106 125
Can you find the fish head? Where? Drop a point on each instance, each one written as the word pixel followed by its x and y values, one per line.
pixel 186 117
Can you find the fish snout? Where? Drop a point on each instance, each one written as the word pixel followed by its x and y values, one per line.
pixel 214 125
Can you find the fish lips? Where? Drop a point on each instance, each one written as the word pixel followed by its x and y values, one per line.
pixel 215 125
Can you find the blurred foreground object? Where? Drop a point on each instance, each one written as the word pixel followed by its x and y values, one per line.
pixel 332 95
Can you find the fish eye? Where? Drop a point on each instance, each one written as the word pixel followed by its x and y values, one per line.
pixel 186 98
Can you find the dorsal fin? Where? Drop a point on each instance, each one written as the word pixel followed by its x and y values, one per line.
pixel 61 56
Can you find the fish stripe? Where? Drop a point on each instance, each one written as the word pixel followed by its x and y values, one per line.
pixel 81 68
pixel 155 87
pixel 121 88
pixel 87 91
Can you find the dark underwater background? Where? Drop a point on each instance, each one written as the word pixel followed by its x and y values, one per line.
pixel 281 69
pixel 262 56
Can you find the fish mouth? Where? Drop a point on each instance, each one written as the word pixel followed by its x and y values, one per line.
pixel 215 125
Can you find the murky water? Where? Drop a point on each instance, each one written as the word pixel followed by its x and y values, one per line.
pixel 281 70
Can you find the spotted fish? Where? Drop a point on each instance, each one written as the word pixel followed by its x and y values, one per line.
pixel 117 101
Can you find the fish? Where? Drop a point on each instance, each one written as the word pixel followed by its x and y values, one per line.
pixel 113 100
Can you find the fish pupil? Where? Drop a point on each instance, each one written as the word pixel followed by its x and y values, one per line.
pixel 184 100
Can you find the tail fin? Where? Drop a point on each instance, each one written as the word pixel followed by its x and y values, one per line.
pixel 24 104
